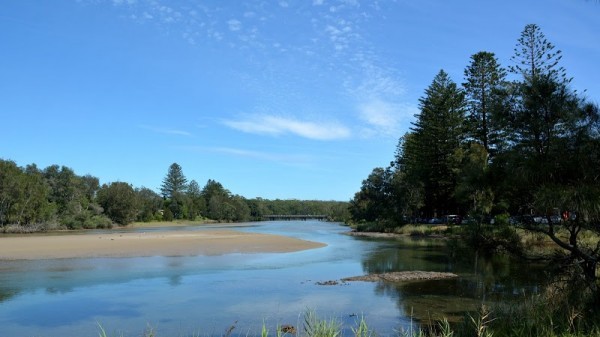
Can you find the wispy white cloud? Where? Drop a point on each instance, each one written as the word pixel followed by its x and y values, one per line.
pixel 339 35
pixel 384 118
pixel 121 2
pixel 166 131
pixel 262 155
pixel 283 159
pixel 376 81
pixel 275 125
pixel 234 25
pixel 380 101
pixel 334 42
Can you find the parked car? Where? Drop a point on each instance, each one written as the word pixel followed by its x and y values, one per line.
pixel 453 219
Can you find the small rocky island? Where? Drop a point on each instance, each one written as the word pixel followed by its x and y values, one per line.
pixel 401 276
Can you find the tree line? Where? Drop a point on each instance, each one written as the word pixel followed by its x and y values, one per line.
pixel 185 200
pixel 516 144
pixel 55 197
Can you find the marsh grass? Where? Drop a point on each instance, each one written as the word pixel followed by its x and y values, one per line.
pixel 362 329
pixel 532 317
pixel 406 229
pixel 316 327
pixel 149 332
pixel 480 323
pixel 422 230
pixel 102 332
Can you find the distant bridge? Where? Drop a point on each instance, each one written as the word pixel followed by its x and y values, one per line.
pixel 302 217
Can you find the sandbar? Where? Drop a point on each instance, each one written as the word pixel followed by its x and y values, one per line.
pixel 139 244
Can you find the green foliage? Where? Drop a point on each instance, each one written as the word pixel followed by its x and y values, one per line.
pixel 375 226
pixel 423 177
pixel 177 205
pixel 479 324
pixel 362 329
pixel 174 189
pixel 335 210
pixel 316 327
pixel 483 87
pixel 526 148
pixel 531 317
pixel 196 204
pixel 167 215
pixel 217 198
pixel 548 314
pixel 23 196
pixel 149 204
pixel 422 230
pixel 438 133
pixel 258 208
pixel 119 201
pixel 535 56
pixel 33 200
pixel 407 189
pixel 73 196
pixel 45 199
pixel 473 189
pixel 174 182
pixel 372 202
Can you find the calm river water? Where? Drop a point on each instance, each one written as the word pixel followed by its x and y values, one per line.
pixel 205 295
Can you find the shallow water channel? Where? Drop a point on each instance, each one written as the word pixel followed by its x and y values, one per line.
pixel 206 295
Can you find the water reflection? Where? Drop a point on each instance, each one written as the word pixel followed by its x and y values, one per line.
pixel 69 310
pixel 483 279
pixel 183 294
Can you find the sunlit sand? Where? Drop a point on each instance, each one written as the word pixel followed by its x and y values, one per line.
pixel 175 243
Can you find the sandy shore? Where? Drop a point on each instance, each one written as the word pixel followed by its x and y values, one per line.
pixel 174 243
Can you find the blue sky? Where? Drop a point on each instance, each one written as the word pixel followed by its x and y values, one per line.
pixel 274 99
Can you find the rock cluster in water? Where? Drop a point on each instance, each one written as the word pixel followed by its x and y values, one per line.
pixel 401 276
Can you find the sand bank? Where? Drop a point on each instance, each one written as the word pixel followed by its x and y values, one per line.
pixel 175 243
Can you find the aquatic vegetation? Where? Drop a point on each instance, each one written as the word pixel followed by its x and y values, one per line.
pixel 531 318
pixel 362 329
pixel 316 327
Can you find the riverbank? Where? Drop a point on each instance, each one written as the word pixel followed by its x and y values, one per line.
pixel 428 231
pixel 52 228
pixel 168 243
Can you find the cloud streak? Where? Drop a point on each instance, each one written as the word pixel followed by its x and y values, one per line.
pixel 166 131
pixel 335 41
pixel 234 25
pixel 277 126
pixel 384 118
pixel 298 160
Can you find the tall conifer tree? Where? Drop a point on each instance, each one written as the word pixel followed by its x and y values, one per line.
pixel 439 131
pixel 535 56
pixel 484 80
pixel 174 183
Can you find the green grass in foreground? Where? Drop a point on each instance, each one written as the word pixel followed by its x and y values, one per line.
pixel 517 321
